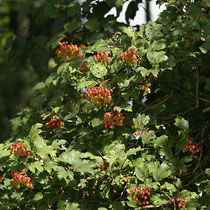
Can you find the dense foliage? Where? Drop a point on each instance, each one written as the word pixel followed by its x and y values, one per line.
pixel 25 48
pixel 120 123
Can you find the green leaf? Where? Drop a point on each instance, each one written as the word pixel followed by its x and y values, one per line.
pixel 39 86
pixel 98 70
pixel 126 107
pixel 116 205
pixel 142 172
pixel 85 84
pixel 146 138
pixel 208 172
pixel 63 174
pixel 181 143
pixel 129 31
pixel 38 101
pixel 159 200
pixel 133 151
pixel 72 206
pixel 74 158
pixel 96 122
pixel 141 120
pixel 45 151
pixel 50 165
pixel 38 196
pixel 36 165
pixel 160 172
pixel 156 57
pixel 55 39
pixel 144 72
pixel 181 123
pixel 92 25
pixel 161 141
pixel 72 8
pixel 72 26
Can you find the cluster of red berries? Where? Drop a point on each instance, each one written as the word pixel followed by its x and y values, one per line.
pixel 124 179
pixel 112 119
pixel 129 56
pixel 18 150
pixel 103 167
pixel 83 67
pixel 69 51
pixel 103 57
pixel 202 38
pixel 140 133
pixel 191 147
pixel 145 87
pixel 87 193
pixel 187 20
pixel 140 195
pixel 54 124
pixel 177 202
pixel 21 178
pixel 100 96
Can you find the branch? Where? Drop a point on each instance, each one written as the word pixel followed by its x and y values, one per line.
pixel 148 207
pixel 155 105
pixel 206 110
pixel 197 89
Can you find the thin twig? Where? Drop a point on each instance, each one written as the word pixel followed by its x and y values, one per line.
pixel 148 207
pixel 197 88
pixel 155 105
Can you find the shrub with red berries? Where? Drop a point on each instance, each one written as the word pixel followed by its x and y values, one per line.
pixel 21 178
pixel 19 150
pixel 177 202
pixel 100 96
pixel 140 195
pixel 102 57
pixel 129 56
pixel 69 51
pixel 112 119
pixel 190 146
pixel 54 124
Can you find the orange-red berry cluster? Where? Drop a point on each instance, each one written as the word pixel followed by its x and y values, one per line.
pixel 54 124
pixel 83 67
pixel 88 193
pixel 100 96
pixel 70 51
pixel 129 56
pixel 103 57
pixel 140 133
pixel 177 202
pixel 103 166
pixel 140 195
pixel 124 179
pixel 21 178
pixel 145 87
pixel 18 150
pixel 112 119
pixel 191 147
